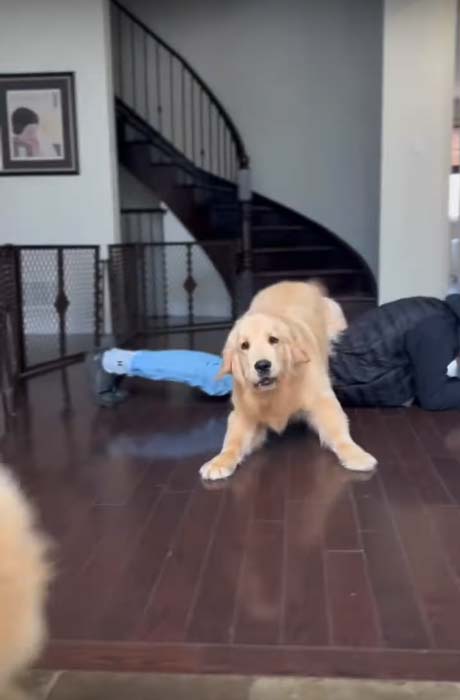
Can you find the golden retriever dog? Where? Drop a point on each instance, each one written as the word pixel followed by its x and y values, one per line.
pixel 278 356
pixel 24 578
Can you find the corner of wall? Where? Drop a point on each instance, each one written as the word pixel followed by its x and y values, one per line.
pixel 111 120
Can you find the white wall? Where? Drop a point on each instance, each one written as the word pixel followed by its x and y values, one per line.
pixel 56 35
pixel 302 81
pixel 418 83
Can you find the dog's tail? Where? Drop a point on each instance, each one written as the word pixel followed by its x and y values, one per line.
pixel 25 573
pixel 320 285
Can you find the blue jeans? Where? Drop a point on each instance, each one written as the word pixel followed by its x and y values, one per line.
pixel 197 369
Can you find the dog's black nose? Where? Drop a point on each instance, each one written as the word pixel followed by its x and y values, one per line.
pixel 263 366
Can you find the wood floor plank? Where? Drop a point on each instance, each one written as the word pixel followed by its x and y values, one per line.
pixel 434 582
pixel 272 486
pixel 92 558
pixel 305 614
pixel 416 461
pixel 211 619
pixel 258 604
pixel 449 471
pixel 341 527
pixel 165 618
pixel 447 524
pixel 353 618
pixel 400 615
pixel 120 612
pixel 369 432
pixel 371 509
pixel 428 433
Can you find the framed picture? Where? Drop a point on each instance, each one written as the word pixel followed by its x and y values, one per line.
pixel 38 128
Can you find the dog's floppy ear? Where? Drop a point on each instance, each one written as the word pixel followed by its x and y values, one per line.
pixel 228 355
pixel 300 341
pixel 300 354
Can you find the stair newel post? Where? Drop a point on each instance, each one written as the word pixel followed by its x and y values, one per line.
pixel 245 282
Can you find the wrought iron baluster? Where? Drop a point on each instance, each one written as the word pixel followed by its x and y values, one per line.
pixel 192 126
pixel 120 52
pixel 191 340
pixel 158 73
pixel 146 79
pixel 210 135
pixel 133 66
pixel 141 276
pixel 184 119
pixel 233 257
pixel 164 276
pixel 189 283
pixel 132 283
pixel 171 97
pixel 218 130
pixel 61 303
pixel 225 152
pixel 202 149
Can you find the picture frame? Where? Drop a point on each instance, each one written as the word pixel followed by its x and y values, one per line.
pixel 38 125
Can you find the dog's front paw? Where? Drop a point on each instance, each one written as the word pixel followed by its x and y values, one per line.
pixel 356 459
pixel 221 467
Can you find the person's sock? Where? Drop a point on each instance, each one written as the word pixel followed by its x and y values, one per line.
pixel 453 369
pixel 117 361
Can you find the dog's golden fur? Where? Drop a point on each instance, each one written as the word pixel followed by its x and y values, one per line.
pixel 290 325
pixel 24 577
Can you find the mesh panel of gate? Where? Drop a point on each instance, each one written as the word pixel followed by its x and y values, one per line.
pixel 161 287
pixel 59 294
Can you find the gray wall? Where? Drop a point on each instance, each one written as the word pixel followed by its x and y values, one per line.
pixel 302 81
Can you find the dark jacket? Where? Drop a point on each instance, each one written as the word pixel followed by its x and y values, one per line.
pixel 399 352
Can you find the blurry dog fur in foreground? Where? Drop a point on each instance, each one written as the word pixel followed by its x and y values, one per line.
pixel 25 573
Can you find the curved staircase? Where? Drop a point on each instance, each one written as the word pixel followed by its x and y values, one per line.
pixel 176 138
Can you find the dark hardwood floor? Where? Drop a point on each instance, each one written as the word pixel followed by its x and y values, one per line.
pixel 294 566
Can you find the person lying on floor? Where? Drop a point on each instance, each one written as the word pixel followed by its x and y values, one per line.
pixel 397 354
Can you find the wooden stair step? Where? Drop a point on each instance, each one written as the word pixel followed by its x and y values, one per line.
pixel 212 188
pixel 226 206
pixel 183 166
pixel 309 273
pixel 278 227
pixel 293 249
pixel 261 207
pixel 137 142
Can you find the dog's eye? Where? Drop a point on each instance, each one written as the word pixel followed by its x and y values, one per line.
pixel 245 345
pixel 272 340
